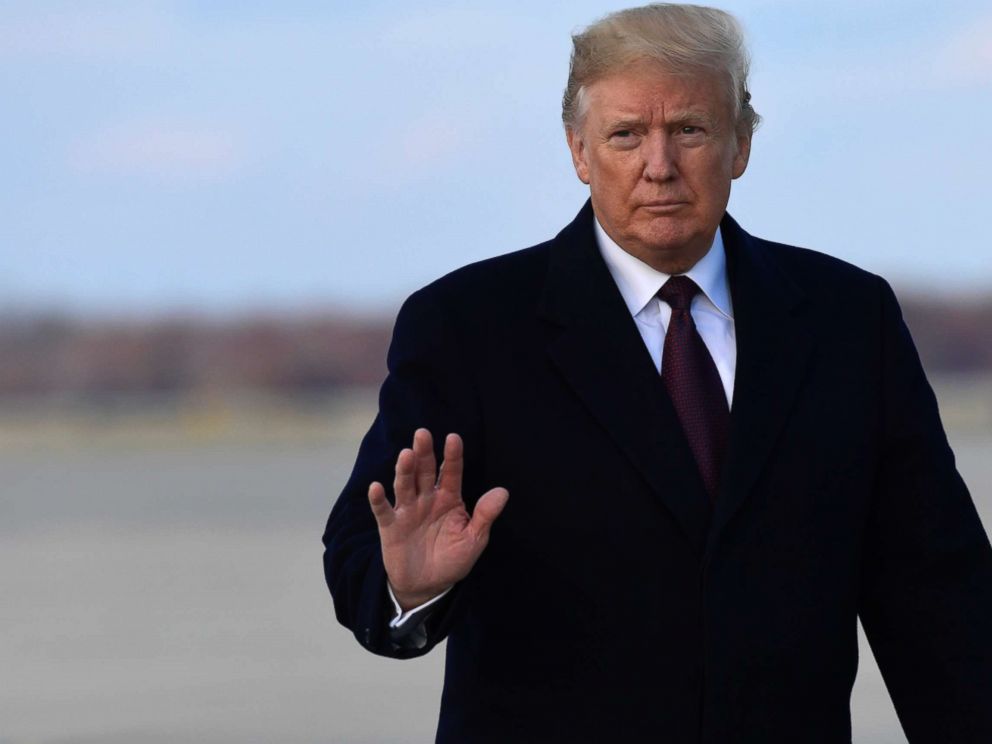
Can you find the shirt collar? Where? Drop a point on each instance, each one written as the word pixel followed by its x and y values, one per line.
pixel 639 283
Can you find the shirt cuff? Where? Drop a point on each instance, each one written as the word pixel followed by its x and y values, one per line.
pixel 401 617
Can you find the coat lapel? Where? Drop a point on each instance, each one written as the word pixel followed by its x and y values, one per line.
pixel 601 356
pixel 773 350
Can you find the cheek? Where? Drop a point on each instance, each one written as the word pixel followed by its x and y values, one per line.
pixel 618 174
pixel 712 177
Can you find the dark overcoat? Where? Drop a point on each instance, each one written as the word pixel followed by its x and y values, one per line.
pixel 608 607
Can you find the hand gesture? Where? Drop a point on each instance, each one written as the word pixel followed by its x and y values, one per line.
pixel 429 540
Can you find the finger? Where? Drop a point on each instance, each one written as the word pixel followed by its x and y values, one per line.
pixel 381 509
pixel 453 464
pixel 487 508
pixel 403 483
pixel 426 465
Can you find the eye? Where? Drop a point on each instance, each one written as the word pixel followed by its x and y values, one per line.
pixel 690 129
pixel 624 139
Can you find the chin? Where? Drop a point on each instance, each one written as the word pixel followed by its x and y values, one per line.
pixel 670 251
pixel 669 240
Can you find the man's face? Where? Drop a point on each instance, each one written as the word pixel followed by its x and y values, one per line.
pixel 659 151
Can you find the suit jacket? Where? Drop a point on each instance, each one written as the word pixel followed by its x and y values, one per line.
pixel 607 606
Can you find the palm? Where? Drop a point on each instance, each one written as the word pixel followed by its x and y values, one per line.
pixel 429 540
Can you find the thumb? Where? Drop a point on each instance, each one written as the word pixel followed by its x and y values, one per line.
pixel 487 508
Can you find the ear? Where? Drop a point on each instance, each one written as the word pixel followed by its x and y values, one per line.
pixel 743 154
pixel 577 146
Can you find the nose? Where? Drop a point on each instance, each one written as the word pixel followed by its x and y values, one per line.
pixel 659 157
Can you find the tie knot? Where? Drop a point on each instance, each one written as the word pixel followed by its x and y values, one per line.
pixel 678 292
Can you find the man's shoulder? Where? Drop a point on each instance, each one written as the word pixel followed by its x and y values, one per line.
pixel 510 279
pixel 817 273
pixel 802 259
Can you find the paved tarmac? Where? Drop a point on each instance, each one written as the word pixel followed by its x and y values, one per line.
pixel 173 593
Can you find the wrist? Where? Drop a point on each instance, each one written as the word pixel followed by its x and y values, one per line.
pixel 408 600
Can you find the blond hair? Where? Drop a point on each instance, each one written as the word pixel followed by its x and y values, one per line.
pixel 680 38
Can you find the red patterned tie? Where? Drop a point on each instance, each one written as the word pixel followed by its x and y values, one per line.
pixel 692 381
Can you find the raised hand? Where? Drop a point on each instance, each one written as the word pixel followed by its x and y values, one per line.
pixel 429 540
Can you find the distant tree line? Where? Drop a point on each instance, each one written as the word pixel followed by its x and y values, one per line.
pixel 45 355
pixel 79 358
pixel 952 337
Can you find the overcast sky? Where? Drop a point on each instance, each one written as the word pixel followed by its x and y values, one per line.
pixel 159 156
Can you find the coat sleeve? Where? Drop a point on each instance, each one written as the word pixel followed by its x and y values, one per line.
pixel 426 386
pixel 926 591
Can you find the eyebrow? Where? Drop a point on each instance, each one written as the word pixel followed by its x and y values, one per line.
pixel 677 117
pixel 626 123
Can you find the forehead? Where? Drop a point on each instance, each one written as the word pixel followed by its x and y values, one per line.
pixel 645 90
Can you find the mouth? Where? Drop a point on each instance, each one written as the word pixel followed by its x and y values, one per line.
pixel 664 206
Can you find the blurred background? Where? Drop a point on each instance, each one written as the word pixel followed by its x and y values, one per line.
pixel 209 213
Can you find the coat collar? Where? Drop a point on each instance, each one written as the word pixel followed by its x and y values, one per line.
pixel 774 345
pixel 601 356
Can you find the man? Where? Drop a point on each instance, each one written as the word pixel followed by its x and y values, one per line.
pixel 678 460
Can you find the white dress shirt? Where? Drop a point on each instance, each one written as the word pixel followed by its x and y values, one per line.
pixel 638 283
pixel 711 309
